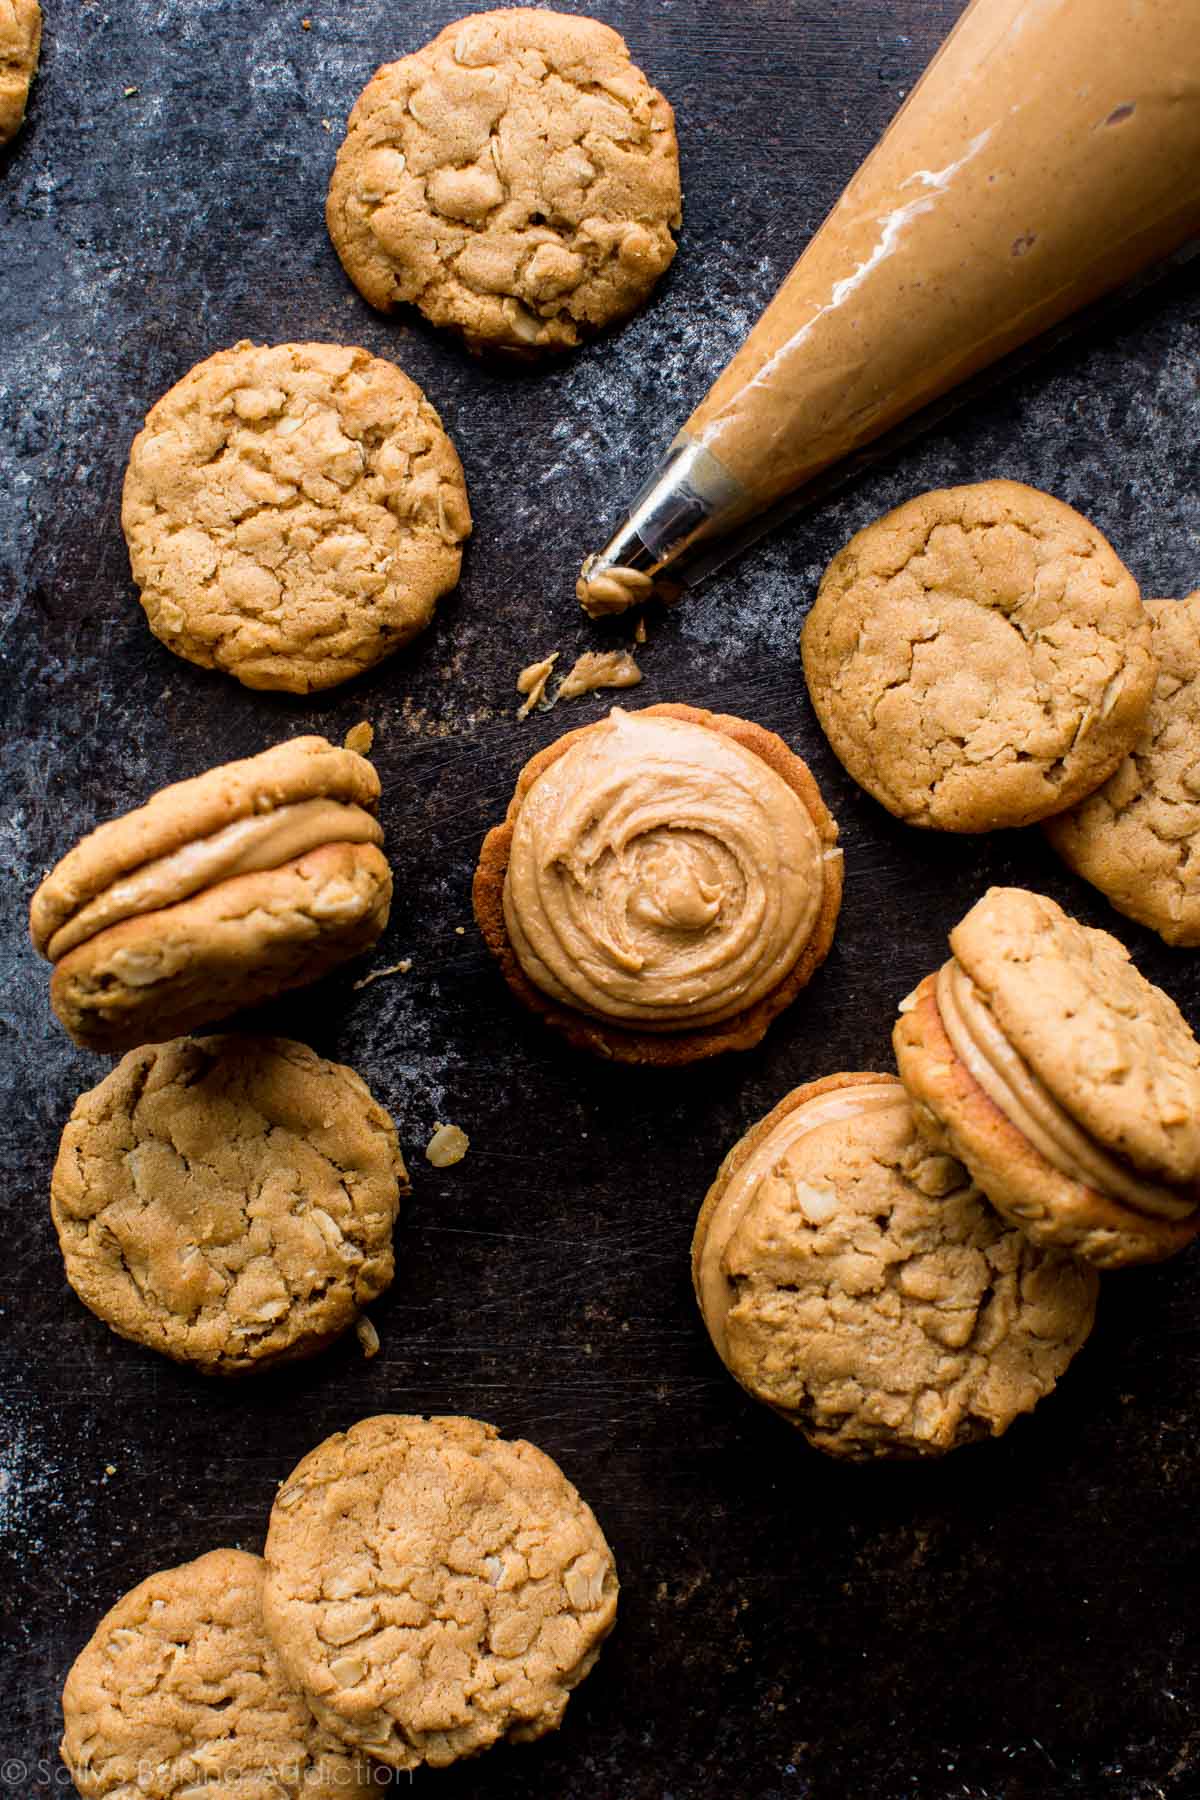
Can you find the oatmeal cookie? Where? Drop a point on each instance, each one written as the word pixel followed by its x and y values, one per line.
pixel 434 1588
pixel 293 513
pixel 228 1201
pixel 858 1282
pixel 517 179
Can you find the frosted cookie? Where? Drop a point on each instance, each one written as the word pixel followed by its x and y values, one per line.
pixel 293 513
pixel 665 882
pixel 434 1588
pixel 228 1201
pixel 180 1693
pixel 517 179
pixel 979 658
pixel 1067 1083
pixel 1137 838
pixel 20 42
pixel 858 1282
pixel 256 877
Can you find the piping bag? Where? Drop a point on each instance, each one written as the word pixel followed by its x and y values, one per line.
pixel 1049 154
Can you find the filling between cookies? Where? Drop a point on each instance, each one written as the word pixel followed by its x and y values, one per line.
pixel 661 875
pixel 716 1291
pixel 1011 1085
pixel 263 841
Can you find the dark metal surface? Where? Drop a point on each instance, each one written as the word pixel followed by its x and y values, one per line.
pixel 1018 1623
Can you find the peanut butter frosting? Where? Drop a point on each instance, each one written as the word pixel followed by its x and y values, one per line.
pixel 263 841
pixel 662 874
pixel 1027 1103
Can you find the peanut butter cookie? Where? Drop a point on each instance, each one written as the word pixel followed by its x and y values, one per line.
pixel 20 42
pixel 434 1588
pixel 517 179
pixel 256 877
pixel 228 1201
pixel 180 1693
pixel 856 1281
pixel 293 513
pixel 1067 1083
pixel 979 658
pixel 665 882
pixel 1137 838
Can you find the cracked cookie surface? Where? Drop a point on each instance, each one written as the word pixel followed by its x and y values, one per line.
pixel 517 179
pixel 293 513
pixel 228 1201
pixel 20 43
pixel 180 1691
pixel 862 1287
pixel 434 1588
pixel 979 658
pixel 1137 838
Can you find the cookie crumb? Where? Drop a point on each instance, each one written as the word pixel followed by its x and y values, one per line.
pixel 532 683
pixel 326 125
pixel 368 1337
pixel 460 931
pixel 110 1468
pixel 130 92
pixel 598 669
pixel 359 738
pixel 397 968
pixel 306 24
pixel 639 631
pixel 448 1145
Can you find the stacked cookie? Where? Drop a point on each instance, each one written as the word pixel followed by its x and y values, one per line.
pixel 428 1589
pixel 900 1266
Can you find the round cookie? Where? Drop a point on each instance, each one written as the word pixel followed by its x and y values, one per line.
pixel 664 883
pixel 858 1283
pixel 180 1692
pixel 228 1201
pixel 517 179
pixel 258 876
pixel 1067 1083
pixel 293 513
pixel 434 1588
pixel 20 43
pixel 1137 838
pixel 979 658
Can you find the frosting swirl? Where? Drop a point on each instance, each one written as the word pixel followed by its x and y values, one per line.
pixel 661 874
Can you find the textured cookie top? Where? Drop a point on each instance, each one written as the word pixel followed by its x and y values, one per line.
pixel 1113 1050
pixel 662 874
pixel 979 657
pixel 293 513
pixel 433 1587
pixel 1137 838
pixel 20 41
pixel 874 1297
pixel 227 1200
pixel 288 774
pixel 517 179
pixel 180 1693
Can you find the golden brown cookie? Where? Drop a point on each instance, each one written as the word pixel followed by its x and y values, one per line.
pixel 434 1588
pixel 978 658
pixel 517 179
pixel 258 876
pixel 228 1201
pixel 1067 1083
pixel 293 513
pixel 1137 838
pixel 665 882
pixel 180 1693
pixel 859 1283
pixel 20 42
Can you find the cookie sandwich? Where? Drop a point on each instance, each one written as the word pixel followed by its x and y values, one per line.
pixel 228 1201
pixel 665 882
pixel 434 1588
pixel 1067 1083
pixel 856 1280
pixel 221 891
pixel 978 658
pixel 517 179
pixel 293 513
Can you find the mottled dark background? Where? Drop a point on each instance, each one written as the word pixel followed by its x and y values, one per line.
pixel 1017 1623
